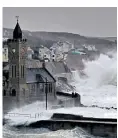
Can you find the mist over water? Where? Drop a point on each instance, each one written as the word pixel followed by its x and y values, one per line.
pixel 99 84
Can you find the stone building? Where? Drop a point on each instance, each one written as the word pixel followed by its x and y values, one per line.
pixel 25 80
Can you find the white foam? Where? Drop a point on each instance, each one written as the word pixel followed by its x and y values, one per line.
pixel 29 113
pixel 21 115
pixel 99 87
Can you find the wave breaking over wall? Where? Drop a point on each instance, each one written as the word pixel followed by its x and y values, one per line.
pixel 99 84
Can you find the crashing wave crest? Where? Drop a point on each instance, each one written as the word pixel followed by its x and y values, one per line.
pixel 99 86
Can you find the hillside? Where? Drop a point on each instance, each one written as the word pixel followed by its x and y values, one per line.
pixel 35 39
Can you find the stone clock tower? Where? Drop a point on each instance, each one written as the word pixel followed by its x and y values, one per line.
pixel 17 66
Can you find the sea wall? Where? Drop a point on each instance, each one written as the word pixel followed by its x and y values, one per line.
pixel 97 127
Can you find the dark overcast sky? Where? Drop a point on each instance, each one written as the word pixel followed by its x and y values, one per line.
pixel 84 21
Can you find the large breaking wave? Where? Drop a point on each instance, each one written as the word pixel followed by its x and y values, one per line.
pixel 99 84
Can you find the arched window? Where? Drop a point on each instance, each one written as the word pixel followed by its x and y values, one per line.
pixel 12 71
pixel 4 92
pixel 23 71
pixel 15 71
pixel 50 87
pixel 13 93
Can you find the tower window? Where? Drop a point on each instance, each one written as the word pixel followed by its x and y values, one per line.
pixel 13 93
pixel 15 71
pixel 4 92
pixel 12 72
pixel 23 71
pixel 13 50
pixel 5 50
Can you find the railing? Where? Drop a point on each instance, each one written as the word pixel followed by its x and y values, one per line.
pixel 36 115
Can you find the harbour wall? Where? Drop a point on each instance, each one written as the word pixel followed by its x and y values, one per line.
pixel 94 126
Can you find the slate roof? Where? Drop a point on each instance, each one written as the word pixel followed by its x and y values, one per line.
pixel 33 63
pixel 31 75
pixel 17 33
pixel 57 67
pixel 34 67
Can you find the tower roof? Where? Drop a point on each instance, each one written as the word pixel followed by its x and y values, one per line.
pixel 17 33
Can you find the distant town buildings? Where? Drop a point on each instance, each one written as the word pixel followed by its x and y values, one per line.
pixel 89 47
pixel 60 49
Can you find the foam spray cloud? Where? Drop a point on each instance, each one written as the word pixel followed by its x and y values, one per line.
pixel 99 85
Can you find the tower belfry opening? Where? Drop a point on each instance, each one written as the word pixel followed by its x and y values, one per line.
pixel 17 33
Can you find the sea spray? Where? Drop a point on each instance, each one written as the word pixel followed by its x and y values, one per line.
pixel 99 86
pixel 29 113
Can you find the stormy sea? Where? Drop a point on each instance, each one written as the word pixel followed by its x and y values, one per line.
pixel 98 88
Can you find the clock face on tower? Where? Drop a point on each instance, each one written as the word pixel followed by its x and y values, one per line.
pixel 13 50
pixel 22 52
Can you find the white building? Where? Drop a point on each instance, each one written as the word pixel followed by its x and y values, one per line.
pixel 44 53
pixel 90 47
pixel 59 49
